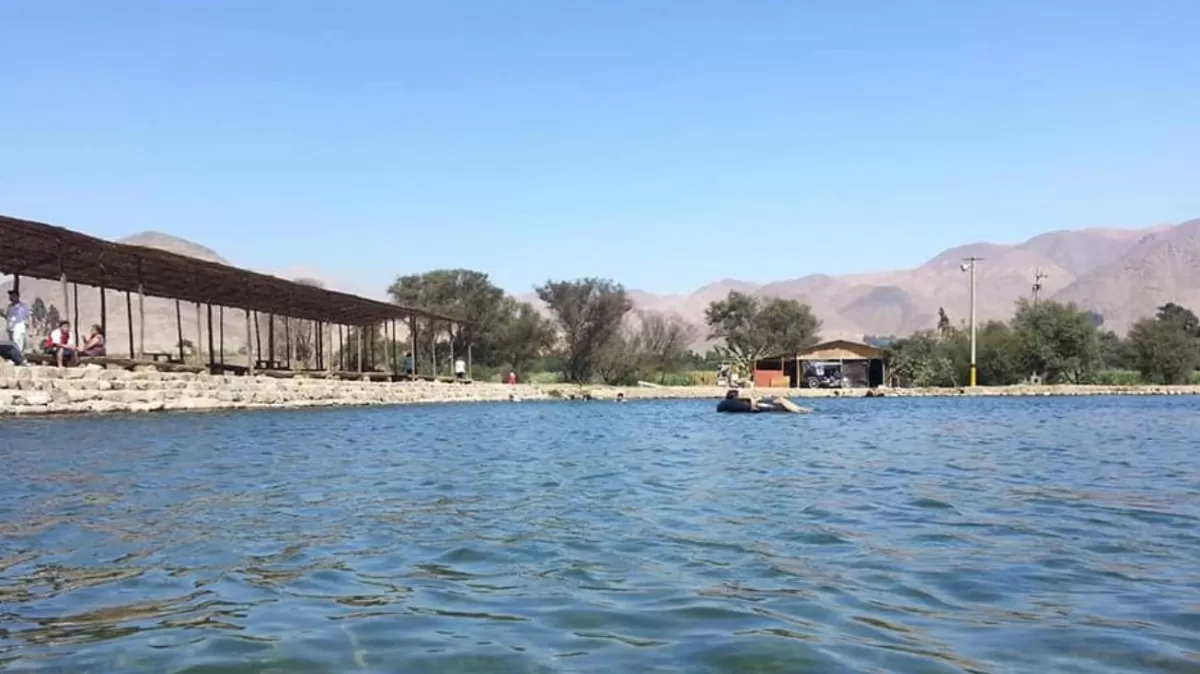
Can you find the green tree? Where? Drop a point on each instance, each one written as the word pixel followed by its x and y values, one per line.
pixel 998 359
pixel 461 293
pixel 922 360
pixel 664 340
pixel 522 337
pixel 753 328
pixel 1114 352
pixel 590 313
pixel 1166 349
pixel 1058 340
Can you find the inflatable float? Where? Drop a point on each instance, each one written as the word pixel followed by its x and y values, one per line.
pixel 735 403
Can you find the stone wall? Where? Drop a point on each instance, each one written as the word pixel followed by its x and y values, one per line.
pixel 91 389
pixel 48 390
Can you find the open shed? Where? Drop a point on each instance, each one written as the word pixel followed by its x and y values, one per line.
pixel 857 363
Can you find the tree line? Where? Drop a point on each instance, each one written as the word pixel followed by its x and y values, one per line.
pixel 591 331
pixel 1051 342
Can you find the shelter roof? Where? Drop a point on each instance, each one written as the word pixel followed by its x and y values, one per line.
pixel 43 251
pixel 833 350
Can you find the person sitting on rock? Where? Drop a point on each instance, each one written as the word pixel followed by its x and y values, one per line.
pixel 94 346
pixel 10 352
pixel 58 344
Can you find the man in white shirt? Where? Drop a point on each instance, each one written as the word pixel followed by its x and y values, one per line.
pixel 15 318
pixel 460 369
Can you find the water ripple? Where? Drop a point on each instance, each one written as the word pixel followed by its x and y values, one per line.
pixel 874 536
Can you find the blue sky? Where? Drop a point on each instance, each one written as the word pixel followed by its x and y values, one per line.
pixel 663 144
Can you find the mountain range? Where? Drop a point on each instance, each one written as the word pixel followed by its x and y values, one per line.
pixel 1121 274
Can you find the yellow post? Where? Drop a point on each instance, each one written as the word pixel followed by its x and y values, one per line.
pixel 972 375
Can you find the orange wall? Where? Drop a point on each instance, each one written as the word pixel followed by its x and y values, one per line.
pixel 771 379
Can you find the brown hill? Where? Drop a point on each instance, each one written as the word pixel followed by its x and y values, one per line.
pixel 1120 273
pixel 1163 266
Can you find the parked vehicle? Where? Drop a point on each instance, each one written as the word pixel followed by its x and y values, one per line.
pixel 825 375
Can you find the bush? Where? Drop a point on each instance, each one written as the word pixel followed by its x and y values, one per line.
pixel 1118 378
pixel 678 380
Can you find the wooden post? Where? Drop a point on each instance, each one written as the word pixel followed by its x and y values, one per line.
pixel 433 348
pixel 470 374
pixel 66 312
pixel 287 340
pixel 371 346
pixel 179 331
pixel 212 356
pixel 257 339
pixel 395 367
pixel 75 306
pixel 450 331
pixel 221 331
pixel 104 314
pixel 141 322
pixel 412 342
pixel 360 348
pixel 249 347
pixel 129 315
pixel 319 344
pixel 199 336
pixel 341 359
pixel 271 339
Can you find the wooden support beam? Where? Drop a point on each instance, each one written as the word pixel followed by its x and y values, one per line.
pixel 141 321
pixel 104 313
pixel 271 337
pixel 360 348
pixel 412 341
pixel 75 307
pixel 287 341
pixel 395 366
pixel 221 331
pixel 257 339
pixel 199 336
pixel 66 298
pixel 212 356
pixel 129 315
pixel 179 331
pixel 249 346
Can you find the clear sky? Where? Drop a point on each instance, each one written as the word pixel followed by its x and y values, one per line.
pixel 664 144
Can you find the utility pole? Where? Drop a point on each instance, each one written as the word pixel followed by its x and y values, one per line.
pixel 1037 285
pixel 969 267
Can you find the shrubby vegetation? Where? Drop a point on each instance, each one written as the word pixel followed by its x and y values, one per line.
pixel 589 332
pixel 1055 343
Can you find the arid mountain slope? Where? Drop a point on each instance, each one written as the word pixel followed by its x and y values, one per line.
pixel 1120 273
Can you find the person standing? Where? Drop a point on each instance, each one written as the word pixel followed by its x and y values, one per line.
pixel 460 369
pixel 16 318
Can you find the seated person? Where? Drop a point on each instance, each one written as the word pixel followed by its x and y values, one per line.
pixel 94 346
pixel 58 344
pixel 10 352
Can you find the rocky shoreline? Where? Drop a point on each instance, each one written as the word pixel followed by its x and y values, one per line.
pixel 91 390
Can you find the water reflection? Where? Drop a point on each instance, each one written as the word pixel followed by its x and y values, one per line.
pixel 897 535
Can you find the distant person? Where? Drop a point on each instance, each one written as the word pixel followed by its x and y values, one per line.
pixel 460 369
pixel 512 378
pixel 407 367
pixel 10 352
pixel 94 346
pixel 16 317
pixel 58 344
